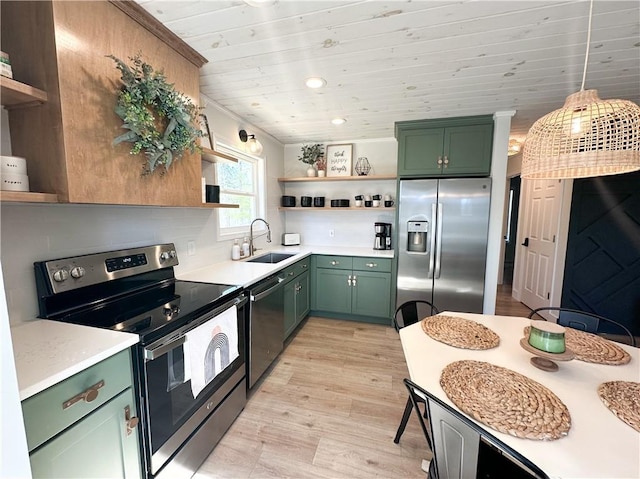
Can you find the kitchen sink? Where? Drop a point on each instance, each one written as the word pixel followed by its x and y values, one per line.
pixel 271 258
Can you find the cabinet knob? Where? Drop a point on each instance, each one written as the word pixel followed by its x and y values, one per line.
pixel 335 263
pixel 353 280
pixel 446 161
pixel 132 422
pixel 90 394
pixel 439 160
pixel 304 266
pixel 372 265
pixel 349 280
pixel 291 273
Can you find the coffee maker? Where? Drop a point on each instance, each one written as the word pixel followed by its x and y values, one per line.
pixel 383 236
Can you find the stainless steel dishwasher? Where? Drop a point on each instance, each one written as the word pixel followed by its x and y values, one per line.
pixel 266 325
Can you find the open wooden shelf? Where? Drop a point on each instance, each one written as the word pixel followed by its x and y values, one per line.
pixel 212 156
pixel 27 197
pixel 334 208
pixel 15 94
pixel 340 178
pixel 219 205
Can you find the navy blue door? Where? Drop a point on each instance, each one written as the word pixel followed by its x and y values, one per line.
pixel 602 271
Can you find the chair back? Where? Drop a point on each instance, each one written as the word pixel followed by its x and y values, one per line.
pixel 589 322
pixel 413 311
pixel 461 449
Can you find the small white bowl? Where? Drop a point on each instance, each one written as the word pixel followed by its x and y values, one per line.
pixel 13 164
pixel 14 182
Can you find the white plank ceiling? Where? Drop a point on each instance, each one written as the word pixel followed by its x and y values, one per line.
pixel 386 61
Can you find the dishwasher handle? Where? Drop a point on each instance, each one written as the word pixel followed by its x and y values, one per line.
pixel 275 284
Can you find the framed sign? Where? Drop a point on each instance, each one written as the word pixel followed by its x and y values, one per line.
pixel 339 159
pixel 205 141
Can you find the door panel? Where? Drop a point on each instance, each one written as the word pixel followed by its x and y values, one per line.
pixel 462 247
pixel 602 270
pixel 333 291
pixel 541 229
pixel 416 198
pixel 419 150
pixel 371 293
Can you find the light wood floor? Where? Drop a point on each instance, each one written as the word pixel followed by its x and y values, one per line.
pixel 329 407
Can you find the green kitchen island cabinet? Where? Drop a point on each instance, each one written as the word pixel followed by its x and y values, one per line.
pixel 296 295
pixel 356 288
pixel 85 426
pixel 445 147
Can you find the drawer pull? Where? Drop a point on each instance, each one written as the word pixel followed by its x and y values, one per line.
pixel 305 266
pixel 132 422
pixel 349 280
pixel 353 280
pixel 335 263
pixel 89 395
pixel 372 265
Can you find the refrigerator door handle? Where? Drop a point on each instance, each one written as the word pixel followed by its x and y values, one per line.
pixel 432 249
pixel 439 241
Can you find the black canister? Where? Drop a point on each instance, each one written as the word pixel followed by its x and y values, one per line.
pixel 288 201
pixel 318 201
pixel 305 201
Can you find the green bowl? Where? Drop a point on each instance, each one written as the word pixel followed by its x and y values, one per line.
pixel 548 337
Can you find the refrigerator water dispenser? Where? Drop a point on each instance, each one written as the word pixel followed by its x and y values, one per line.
pixel 417 236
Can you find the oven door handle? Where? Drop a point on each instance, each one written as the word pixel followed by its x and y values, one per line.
pixel 151 352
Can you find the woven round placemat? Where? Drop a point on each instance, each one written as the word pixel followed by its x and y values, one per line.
pixel 459 332
pixel 622 398
pixel 592 348
pixel 505 400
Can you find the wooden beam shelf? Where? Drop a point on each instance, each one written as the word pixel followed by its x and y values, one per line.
pixel 27 197
pixel 219 205
pixel 15 94
pixel 334 208
pixel 339 178
pixel 212 155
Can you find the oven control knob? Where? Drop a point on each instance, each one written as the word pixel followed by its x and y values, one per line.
pixel 164 256
pixel 172 253
pixel 60 275
pixel 77 272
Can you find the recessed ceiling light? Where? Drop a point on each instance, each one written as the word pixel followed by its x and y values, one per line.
pixel 338 121
pixel 259 3
pixel 315 82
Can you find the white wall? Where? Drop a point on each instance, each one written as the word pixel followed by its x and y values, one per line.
pixel 14 455
pixel 34 232
pixel 350 228
pixel 502 124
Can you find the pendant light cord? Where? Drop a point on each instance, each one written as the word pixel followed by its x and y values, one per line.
pixel 586 56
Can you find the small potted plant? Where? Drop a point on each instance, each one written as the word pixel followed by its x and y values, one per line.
pixel 321 165
pixel 310 154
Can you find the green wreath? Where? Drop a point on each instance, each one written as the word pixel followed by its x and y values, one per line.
pixel 161 121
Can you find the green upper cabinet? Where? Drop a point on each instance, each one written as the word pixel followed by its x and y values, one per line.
pixel 445 147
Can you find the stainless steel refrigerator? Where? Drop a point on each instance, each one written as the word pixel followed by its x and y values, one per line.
pixel 442 242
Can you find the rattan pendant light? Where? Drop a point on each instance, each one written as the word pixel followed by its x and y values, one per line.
pixel 586 137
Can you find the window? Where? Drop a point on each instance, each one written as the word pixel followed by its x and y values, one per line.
pixel 241 183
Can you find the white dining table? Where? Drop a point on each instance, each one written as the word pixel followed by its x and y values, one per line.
pixel 598 445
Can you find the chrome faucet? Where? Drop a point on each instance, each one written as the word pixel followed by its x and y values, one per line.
pixel 251 248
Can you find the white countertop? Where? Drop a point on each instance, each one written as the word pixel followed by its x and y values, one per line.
pixel 47 352
pixel 243 273
pixel 598 445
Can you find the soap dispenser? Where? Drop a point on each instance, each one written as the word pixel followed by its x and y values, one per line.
pixel 245 247
pixel 235 250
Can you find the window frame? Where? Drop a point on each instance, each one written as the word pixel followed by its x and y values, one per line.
pixel 259 193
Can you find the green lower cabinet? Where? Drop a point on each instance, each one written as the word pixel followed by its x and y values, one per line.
pixel 333 290
pixel 296 300
pixel 371 294
pixel 364 291
pixel 99 445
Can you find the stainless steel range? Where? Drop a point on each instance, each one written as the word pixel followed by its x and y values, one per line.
pixel 190 362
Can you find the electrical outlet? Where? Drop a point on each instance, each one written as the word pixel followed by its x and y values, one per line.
pixel 331 233
pixel 191 248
